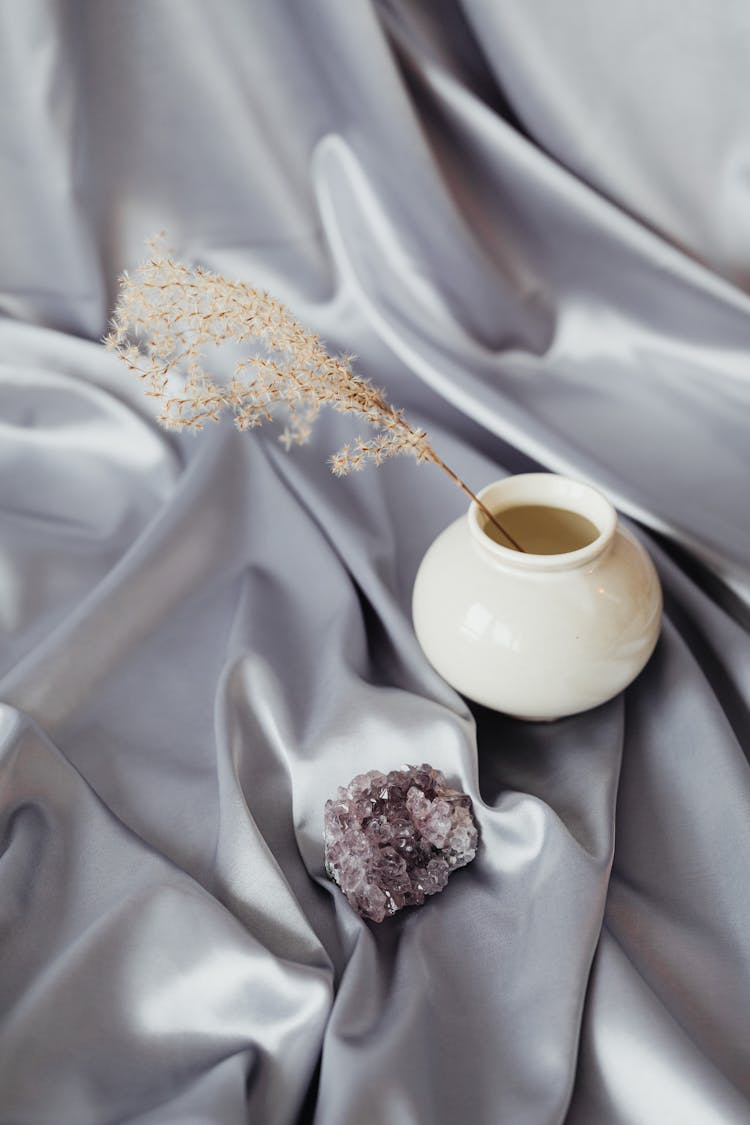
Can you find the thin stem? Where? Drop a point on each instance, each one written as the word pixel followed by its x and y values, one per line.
pixel 432 456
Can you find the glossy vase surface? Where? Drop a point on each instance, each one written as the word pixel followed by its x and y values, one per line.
pixel 538 636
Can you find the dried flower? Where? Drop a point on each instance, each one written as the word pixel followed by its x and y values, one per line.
pixel 168 315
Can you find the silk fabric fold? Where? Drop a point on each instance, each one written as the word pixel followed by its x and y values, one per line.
pixel 529 222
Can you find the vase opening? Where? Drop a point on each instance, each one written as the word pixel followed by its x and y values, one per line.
pixel 558 522
pixel 542 529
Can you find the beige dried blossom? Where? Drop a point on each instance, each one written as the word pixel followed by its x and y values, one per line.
pixel 168 315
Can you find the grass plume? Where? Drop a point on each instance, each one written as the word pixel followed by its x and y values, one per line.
pixel 169 315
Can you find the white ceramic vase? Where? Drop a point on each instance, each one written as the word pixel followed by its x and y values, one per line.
pixel 538 636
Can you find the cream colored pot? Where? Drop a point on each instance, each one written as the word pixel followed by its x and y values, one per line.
pixel 538 636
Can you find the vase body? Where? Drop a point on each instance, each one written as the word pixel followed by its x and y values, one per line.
pixel 538 636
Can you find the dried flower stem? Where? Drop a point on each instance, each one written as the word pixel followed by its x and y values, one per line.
pixel 167 315
pixel 432 456
pixel 465 488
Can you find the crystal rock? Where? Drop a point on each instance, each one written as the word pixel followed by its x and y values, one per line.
pixel 392 839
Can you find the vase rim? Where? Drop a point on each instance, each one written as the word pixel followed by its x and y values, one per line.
pixel 550 490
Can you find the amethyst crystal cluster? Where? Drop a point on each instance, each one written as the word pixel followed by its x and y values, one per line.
pixel 391 839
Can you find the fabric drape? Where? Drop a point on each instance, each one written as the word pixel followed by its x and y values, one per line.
pixel 530 223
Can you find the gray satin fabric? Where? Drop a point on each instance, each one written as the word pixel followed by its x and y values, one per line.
pixel 530 222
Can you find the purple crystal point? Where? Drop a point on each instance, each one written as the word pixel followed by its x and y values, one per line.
pixel 392 839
